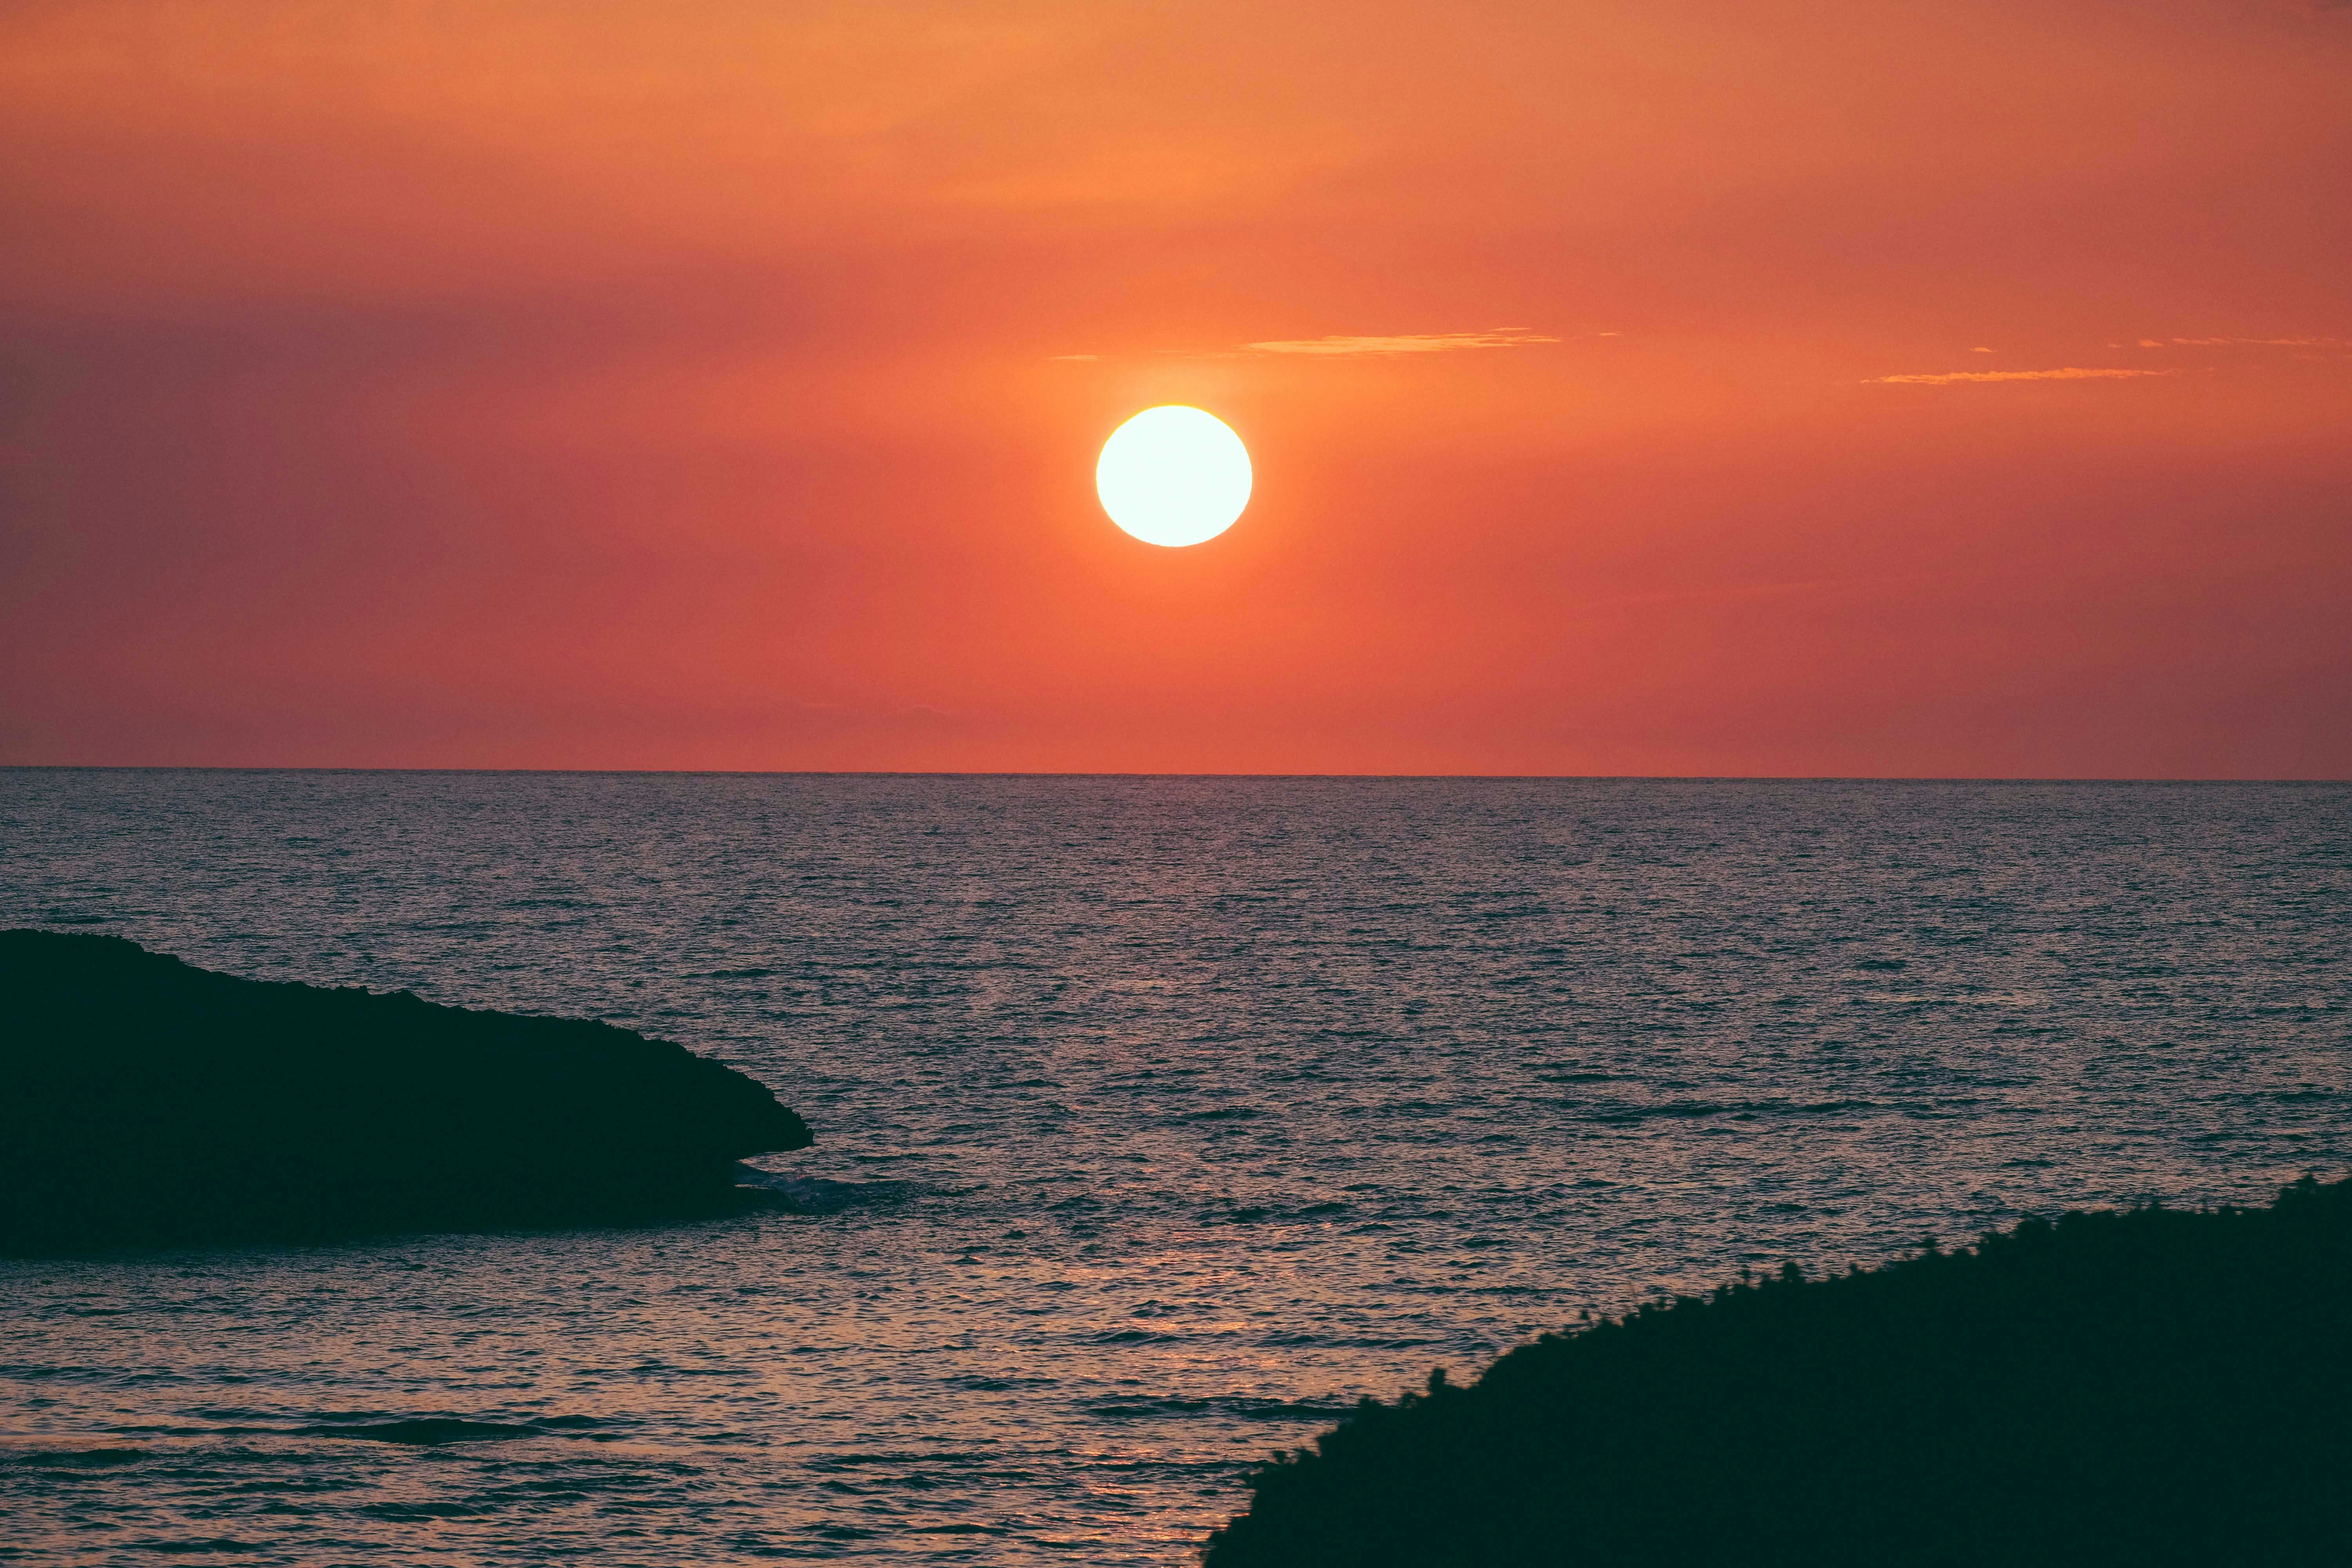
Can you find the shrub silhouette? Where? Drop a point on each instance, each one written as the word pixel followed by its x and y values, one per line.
pixel 2146 1387
pixel 146 1102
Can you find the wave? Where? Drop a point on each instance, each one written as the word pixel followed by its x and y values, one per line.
pixel 818 1195
pixel 73 1458
pixel 418 1432
pixel 429 1431
pixel 1247 1407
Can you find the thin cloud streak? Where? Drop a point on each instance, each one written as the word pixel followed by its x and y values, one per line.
pixel 2257 342
pixel 2066 373
pixel 1404 343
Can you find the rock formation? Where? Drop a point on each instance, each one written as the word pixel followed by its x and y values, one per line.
pixel 144 1103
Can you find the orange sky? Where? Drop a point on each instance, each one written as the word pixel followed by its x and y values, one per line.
pixel 589 384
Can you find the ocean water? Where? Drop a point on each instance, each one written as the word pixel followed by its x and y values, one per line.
pixel 1159 1120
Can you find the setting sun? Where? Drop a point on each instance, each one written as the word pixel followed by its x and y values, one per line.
pixel 601 848
pixel 1173 476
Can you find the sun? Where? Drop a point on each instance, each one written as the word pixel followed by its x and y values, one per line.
pixel 1173 476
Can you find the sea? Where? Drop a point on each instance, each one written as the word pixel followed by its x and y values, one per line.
pixel 1159 1120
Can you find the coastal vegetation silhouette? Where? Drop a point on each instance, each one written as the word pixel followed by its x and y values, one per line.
pixel 2145 1388
pixel 145 1102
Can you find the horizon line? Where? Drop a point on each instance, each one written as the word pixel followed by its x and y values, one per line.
pixel 1117 773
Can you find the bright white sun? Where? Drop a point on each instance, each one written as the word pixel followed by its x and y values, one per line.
pixel 1174 475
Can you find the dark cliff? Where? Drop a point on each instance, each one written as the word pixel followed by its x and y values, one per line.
pixel 2150 1387
pixel 145 1102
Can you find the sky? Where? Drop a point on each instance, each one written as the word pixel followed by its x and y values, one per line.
pixel 1633 386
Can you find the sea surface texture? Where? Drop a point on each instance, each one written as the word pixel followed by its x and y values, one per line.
pixel 1157 1119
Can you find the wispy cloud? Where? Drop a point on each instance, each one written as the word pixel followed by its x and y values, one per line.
pixel 2066 373
pixel 2255 342
pixel 1404 343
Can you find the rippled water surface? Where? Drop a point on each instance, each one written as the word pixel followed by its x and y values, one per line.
pixel 1157 1119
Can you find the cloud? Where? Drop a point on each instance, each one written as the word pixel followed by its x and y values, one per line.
pixel 2067 373
pixel 1404 343
pixel 2264 342
pixel 1076 356
pixel 2085 372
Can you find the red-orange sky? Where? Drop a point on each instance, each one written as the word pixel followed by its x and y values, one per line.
pixel 1696 386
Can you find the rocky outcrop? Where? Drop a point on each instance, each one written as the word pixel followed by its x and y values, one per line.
pixel 2153 1387
pixel 144 1103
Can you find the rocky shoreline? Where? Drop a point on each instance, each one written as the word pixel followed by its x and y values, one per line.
pixel 2145 1388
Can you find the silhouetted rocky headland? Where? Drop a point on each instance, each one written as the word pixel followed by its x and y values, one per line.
pixel 145 1102
pixel 2149 1388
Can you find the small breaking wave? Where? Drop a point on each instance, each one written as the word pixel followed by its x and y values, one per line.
pixel 819 1194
